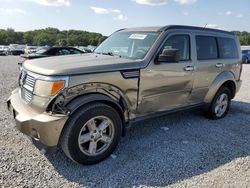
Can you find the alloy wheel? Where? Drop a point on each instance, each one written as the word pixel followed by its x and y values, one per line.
pixel 221 105
pixel 96 136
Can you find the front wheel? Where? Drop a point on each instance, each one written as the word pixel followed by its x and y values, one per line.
pixel 220 104
pixel 92 133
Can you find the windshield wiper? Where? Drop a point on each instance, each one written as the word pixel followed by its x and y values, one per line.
pixel 108 53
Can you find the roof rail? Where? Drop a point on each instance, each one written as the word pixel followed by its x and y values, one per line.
pixel 195 28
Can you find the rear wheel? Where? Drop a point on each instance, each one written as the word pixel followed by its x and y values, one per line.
pixel 220 104
pixel 92 133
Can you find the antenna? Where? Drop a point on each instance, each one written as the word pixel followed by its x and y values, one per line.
pixel 205 26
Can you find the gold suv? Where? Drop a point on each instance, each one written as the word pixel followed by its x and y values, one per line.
pixel 85 102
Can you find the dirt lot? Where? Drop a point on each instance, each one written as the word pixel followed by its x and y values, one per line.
pixel 179 150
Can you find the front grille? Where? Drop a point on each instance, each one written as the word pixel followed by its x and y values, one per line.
pixel 30 81
pixel 26 95
pixel 27 84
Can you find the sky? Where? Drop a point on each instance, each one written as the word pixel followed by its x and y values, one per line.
pixel 107 16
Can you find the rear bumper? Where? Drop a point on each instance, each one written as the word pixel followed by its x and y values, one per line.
pixel 238 85
pixel 42 127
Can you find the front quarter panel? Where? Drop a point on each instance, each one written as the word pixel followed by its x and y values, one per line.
pixel 111 84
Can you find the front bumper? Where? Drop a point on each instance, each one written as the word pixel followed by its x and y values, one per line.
pixel 42 127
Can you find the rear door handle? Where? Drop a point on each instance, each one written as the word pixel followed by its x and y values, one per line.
pixel 189 68
pixel 219 65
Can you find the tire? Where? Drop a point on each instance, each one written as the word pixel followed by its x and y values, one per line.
pixel 84 139
pixel 219 108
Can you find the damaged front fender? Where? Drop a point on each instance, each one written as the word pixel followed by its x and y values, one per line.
pixel 73 98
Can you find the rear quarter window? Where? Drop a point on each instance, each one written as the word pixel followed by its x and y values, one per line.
pixel 206 47
pixel 227 48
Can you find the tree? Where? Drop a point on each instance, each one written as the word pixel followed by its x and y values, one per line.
pixel 43 39
pixel 101 39
pixel 10 36
pixel 61 42
pixel 28 38
pixel 3 37
pixel 52 36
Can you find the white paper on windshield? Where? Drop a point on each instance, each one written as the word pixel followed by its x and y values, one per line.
pixel 137 36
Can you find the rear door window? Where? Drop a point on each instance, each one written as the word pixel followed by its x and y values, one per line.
pixel 228 48
pixel 206 47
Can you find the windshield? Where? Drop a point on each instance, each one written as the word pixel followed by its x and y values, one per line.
pixel 134 45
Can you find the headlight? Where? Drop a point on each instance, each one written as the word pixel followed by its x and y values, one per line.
pixel 49 87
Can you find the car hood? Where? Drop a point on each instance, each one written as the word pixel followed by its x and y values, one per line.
pixel 79 64
pixel 33 55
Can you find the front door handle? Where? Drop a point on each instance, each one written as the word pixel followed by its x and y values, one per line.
pixel 189 68
pixel 219 65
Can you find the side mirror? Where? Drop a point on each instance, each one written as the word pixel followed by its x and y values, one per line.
pixel 169 55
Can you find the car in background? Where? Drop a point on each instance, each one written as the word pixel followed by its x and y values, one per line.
pixel 30 49
pixel 16 49
pixel 4 50
pixel 50 51
pixel 84 49
pixel 245 56
pixel 91 47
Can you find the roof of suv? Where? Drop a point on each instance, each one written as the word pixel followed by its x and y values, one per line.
pixel 165 28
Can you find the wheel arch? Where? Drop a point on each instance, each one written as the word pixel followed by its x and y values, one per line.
pixel 68 100
pixel 231 86
pixel 84 99
pixel 226 79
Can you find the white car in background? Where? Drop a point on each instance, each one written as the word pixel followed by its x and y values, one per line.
pixel 16 49
pixel 30 49
pixel 4 50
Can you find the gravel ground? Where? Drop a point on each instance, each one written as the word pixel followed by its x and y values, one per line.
pixel 179 150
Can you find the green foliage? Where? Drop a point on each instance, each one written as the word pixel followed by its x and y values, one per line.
pixel 244 37
pixel 51 37
pixel 55 37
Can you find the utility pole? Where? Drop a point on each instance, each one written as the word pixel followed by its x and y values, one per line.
pixel 67 37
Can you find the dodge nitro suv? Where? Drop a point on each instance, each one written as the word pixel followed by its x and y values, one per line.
pixel 85 102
